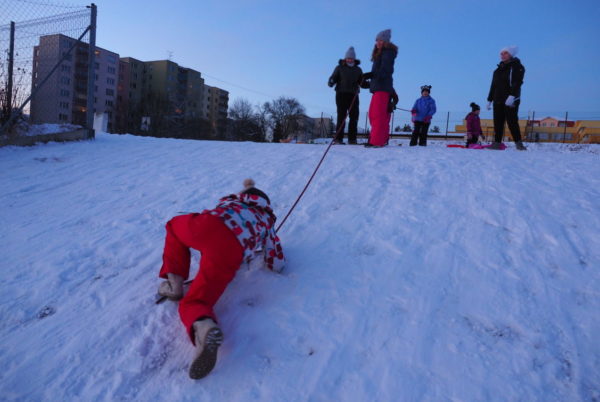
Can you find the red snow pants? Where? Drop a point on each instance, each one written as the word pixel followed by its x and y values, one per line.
pixel 222 256
pixel 380 118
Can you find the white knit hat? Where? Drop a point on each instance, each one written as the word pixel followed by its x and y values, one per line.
pixel 512 50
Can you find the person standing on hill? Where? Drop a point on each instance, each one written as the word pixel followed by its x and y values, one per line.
pixel 347 78
pixel 505 96
pixel 473 125
pixel 381 86
pixel 422 112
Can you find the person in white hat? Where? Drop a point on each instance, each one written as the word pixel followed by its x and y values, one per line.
pixel 505 96
pixel 347 77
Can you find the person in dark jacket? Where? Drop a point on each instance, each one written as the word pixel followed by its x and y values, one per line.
pixel 422 112
pixel 347 78
pixel 505 96
pixel 381 85
pixel 473 125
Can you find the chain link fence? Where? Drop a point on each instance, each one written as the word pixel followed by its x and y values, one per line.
pixel 47 59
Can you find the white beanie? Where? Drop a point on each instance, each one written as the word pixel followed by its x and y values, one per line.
pixel 512 50
pixel 350 53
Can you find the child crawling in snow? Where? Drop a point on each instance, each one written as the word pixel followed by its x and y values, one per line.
pixel 226 236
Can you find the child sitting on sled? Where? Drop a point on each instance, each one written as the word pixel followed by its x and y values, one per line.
pixel 226 236
pixel 473 125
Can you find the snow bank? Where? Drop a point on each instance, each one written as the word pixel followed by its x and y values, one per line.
pixel 414 274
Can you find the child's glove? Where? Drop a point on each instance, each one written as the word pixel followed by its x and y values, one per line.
pixel 172 288
pixel 510 101
pixel 330 83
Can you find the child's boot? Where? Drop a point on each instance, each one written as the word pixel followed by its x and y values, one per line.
pixel 208 337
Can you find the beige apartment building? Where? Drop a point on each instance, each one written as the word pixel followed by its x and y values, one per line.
pixel 63 98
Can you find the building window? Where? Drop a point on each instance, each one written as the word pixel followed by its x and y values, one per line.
pixel 64 105
pixel 64 92
pixel 97 66
pixel 110 81
pixel 65 69
pixel 108 103
pixel 63 117
pixel 110 92
pixel 111 70
pixel 112 59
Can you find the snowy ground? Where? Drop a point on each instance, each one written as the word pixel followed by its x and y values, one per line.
pixel 429 274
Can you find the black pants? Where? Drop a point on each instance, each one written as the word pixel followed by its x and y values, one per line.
pixel 343 101
pixel 420 134
pixel 510 115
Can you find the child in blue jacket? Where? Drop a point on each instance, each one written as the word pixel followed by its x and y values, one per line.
pixel 422 112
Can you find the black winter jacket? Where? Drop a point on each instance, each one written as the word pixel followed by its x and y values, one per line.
pixel 507 80
pixel 345 78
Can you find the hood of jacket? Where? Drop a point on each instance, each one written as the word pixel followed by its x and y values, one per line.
pixel 342 62
pixel 514 60
pixel 251 200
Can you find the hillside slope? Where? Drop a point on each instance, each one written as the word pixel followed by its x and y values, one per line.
pixel 413 274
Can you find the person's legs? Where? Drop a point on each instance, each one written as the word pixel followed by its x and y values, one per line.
pixel 380 118
pixel 176 254
pixel 222 256
pixel 499 120
pixel 342 110
pixel 414 138
pixel 423 134
pixel 353 125
pixel 512 119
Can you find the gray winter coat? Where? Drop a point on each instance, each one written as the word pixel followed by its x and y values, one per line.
pixel 345 78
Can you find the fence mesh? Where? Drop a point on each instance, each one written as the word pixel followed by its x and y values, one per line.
pixel 47 62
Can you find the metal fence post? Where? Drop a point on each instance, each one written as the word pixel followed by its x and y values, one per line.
pixel 565 132
pixel 447 122
pixel 11 63
pixel 91 74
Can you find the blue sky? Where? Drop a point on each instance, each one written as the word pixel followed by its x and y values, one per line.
pixel 291 47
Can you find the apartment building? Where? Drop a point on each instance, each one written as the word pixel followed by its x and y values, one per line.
pixel 129 94
pixel 216 104
pixel 63 98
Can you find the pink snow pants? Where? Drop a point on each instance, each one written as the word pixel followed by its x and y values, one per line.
pixel 222 256
pixel 380 118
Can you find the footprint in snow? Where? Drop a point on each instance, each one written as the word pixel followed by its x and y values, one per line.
pixel 46 311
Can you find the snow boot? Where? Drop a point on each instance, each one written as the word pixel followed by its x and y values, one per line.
pixel 520 146
pixel 208 337
pixel 172 288
pixel 496 145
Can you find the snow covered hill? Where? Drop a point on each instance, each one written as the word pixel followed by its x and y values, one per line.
pixel 413 274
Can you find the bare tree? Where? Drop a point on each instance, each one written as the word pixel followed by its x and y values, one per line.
pixel 285 114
